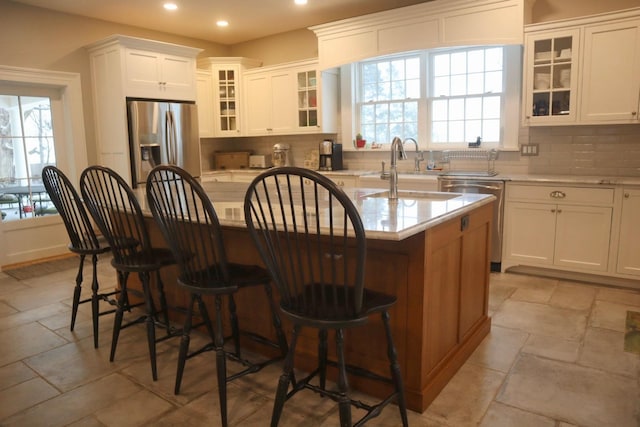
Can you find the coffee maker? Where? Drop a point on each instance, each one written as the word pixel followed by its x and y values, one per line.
pixel 330 155
pixel 281 155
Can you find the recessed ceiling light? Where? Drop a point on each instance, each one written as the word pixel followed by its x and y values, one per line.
pixel 222 23
pixel 300 1
pixel 170 6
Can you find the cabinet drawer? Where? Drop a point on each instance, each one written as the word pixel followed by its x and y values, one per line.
pixel 560 194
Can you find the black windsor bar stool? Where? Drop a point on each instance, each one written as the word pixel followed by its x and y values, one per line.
pixel 83 241
pixel 117 213
pixel 311 238
pixel 191 227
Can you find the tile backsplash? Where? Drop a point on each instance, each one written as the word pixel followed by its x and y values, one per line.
pixel 603 150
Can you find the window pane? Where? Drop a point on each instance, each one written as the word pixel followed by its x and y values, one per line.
pixel 413 89
pixel 459 63
pixel 473 109
pixel 458 85
pixel 384 91
pixel 369 73
pixel 396 113
pixel 493 59
pixel 456 131
pixel 493 82
pixel 475 60
pixel 397 70
pixel 473 129
pixel 491 107
pixel 441 65
pixel 413 68
pixel 439 110
pixel 382 113
pixel 439 132
pixel 397 90
pixel 411 112
pixel 370 92
pixel 441 86
pixel 456 109
pixel 475 83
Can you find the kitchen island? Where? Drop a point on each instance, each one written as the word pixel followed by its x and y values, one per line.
pixel 431 250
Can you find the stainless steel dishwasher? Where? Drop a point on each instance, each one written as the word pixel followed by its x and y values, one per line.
pixel 460 184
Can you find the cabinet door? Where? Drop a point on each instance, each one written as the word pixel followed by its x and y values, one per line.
pixel 551 73
pixel 205 104
pixel 227 95
pixel 177 77
pixel 142 73
pixel 258 104
pixel 629 245
pixel 283 102
pixel 582 237
pixel 529 232
pixel 611 73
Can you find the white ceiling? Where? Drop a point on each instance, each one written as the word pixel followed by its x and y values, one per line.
pixel 248 19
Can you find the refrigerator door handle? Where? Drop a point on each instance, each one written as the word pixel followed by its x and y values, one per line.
pixel 171 138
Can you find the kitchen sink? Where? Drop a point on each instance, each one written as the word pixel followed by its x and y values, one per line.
pixel 416 195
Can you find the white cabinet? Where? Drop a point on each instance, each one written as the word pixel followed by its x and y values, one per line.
pixel 558 226
pixel 292 98
pixel 342 180
pixel 226 95
pixel 149 74
pixel 204 100
pixel 629 242
pixel 583 71
pixel 551 70
pixel 611 73
pixel 124 67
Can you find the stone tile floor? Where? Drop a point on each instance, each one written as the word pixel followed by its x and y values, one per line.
pixel 554 357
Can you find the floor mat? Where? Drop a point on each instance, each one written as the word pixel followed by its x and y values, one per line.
pixel 632 332
pixel 40 269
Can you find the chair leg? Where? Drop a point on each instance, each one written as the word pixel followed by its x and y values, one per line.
pixel 322 357
pixel 235 328
pixel 277 323
pixel 123 304
pixel 163 303
pixel 76 293
pixel 221 364
pixel 184 343
pixel 285 378
pixel 395 369
pixel 151 327
pixel 344 403
pixel 95 300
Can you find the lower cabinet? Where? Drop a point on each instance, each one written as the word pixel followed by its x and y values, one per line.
pixel 572 233
pixel 629 243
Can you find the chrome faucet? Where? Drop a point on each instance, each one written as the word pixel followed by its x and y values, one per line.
pixel 397 150
pixel 419 156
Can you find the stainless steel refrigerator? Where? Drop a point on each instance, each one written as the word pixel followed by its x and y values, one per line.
pixel 162 132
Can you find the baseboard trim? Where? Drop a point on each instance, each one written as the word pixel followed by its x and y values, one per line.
pixel 574 276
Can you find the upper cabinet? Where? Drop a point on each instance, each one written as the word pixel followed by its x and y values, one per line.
pixel 225 94
pixel 124 67
pixel 551 80
pixel 583 71
pixel 290 99
pixel 611 72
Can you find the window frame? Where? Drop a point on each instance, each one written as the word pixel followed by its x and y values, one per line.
pixel 510 111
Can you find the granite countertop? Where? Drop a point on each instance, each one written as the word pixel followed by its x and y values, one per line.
pixel 431 175
pixel 413 212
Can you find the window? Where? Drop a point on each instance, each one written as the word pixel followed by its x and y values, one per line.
pixel 466 95
pixel 444 98
pixel 26 146
pixel 390 92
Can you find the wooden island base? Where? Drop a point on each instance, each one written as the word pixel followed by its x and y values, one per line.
pixel 441 279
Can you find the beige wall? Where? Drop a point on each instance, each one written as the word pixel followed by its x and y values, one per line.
pixel 37 38
pixel 285 47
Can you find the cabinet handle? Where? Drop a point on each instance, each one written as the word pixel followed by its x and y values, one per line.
pixel 553 211
pixel 559 210
pixel 557 194
pixel 627 195
pixel 633 113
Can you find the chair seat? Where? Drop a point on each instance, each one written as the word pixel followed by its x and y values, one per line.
pixel 208 281
pixel 103 247
pixel 336 311
pixel 143 261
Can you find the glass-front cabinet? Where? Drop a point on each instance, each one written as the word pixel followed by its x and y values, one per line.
pixel 227 88
pixel 307 99
pixel 551 77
